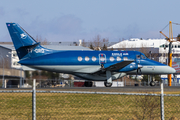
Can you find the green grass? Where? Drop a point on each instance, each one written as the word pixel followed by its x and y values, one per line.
pixel 63 106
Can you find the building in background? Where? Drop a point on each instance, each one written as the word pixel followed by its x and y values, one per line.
pixel 156 49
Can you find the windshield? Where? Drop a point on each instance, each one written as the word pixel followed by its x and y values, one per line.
pixel 138 57
pixel 143 56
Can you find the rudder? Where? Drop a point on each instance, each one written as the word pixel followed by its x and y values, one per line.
pixel 24 43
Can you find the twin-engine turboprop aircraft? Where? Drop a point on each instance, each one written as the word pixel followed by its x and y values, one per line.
pixel 91 65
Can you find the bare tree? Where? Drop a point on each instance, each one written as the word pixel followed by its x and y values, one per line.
pixel 39 39
pixel 144 49
pixel 104 47
pixel 83 43
pixel 148 107
pixel 91 46
pixel 99 42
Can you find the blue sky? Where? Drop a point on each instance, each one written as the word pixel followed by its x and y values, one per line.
pixel 71 20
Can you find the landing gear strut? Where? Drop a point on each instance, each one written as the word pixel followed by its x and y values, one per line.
pixel 108 83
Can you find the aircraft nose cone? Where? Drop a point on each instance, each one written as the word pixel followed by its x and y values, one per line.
pixel 171 70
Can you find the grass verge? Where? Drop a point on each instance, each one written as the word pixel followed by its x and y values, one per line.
pixel 63 106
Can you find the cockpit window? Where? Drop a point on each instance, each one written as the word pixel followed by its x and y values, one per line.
pixel 137 56
pixel 143 57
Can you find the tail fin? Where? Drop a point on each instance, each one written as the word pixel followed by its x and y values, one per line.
pixel 25 45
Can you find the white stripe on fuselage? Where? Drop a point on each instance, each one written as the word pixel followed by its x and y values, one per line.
pixel 69 69
pixel 95 68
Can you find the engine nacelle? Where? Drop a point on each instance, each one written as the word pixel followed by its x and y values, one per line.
pixel 130 67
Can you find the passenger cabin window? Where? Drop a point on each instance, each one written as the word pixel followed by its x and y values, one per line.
pixel 125 58
pixel 79 58
pixel 86 58
pixel 111 59
pixel 118 58
pixel 102 58
pixel 93 58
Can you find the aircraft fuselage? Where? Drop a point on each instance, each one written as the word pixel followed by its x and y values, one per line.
pixel 91 65
pixel 76 62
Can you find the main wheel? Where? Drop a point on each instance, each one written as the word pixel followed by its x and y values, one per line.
pixel 88 84
pixel 107 84
pixel 152 83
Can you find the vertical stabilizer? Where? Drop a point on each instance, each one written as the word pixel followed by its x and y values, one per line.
pixel 25 45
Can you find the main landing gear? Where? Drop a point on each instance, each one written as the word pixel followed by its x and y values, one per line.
pixel 108 83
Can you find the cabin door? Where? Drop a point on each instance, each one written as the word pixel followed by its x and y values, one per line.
pixel 102 58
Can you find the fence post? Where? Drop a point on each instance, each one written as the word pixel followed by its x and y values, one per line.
pixel 162 101
pixel 34 100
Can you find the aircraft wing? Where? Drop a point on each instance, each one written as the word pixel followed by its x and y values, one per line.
pixel 117 66
pixel 114 66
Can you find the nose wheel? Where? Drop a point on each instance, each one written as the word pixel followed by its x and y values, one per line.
pixel 152 83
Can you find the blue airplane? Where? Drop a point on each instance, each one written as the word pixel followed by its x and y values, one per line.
pixel 91 65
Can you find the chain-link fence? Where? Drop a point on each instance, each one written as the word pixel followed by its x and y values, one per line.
pixel 74 105
pixel 57 83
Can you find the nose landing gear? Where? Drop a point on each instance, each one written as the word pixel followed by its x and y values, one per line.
pixel 152 83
